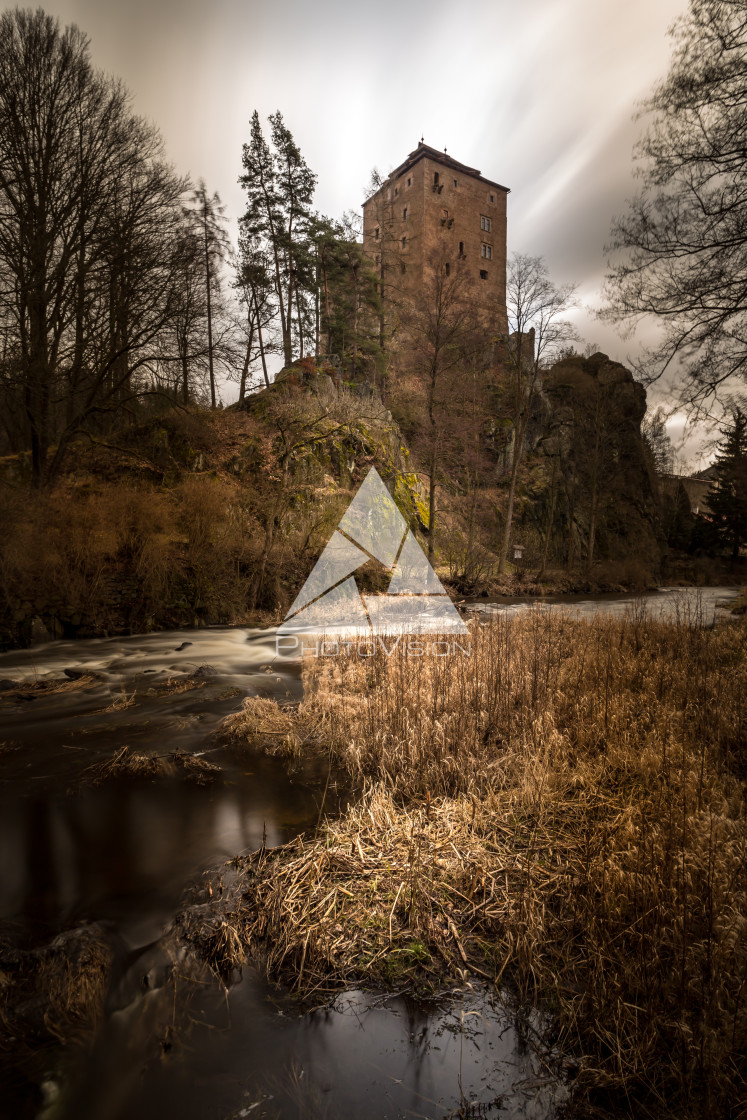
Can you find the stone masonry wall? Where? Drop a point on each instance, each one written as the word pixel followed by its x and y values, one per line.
pixel 430 210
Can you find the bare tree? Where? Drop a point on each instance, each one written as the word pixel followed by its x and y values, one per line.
pixel 534 306
pixel 88 253
pixel 679 253
pixel 443 344
pixel 210 214
pixel 656 439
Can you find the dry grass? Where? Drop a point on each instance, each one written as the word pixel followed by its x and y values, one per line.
pixel 175 685
pixel 565 810
pixel 262 722
pixel 128 764
pixel 24 690
pixel 57 991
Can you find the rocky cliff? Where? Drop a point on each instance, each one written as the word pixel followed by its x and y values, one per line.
pixel 588 471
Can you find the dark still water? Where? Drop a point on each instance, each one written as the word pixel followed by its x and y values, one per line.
pixel 121 853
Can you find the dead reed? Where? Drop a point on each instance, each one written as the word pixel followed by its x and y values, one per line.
pixel 57 991
pixel 127 763
pixel 28 690
pixel 564 810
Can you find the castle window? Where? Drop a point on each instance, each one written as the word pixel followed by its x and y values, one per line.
pixel 376 234
pixel 435 178
pixel 404 242
pixel 487 251
pixel 404 214
pixel 461 248
pixel 447 268
pixel 483 274
pixel 491 197
pixel 409 181
pixel 396 191
pixel 455 183
pixel 485 223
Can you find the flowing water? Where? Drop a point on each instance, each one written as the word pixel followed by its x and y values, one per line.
pixel 121 854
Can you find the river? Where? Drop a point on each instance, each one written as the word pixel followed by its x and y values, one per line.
pixel 121 854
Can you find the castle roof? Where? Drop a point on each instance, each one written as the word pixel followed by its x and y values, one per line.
pixel 425 151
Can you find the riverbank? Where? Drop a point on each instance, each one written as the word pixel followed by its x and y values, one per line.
pixel 189 518
pixel 563 812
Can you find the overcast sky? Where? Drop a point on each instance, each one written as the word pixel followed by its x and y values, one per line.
pixel 539 96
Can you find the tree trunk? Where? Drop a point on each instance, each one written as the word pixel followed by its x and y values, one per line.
pixel 300 322
pixel 247 359
pixel 551 515
pixel 260 340
pixel 523 403
pixel 518 447
pixel 432 507
pixel 185 379
pixel 37 395
pixel 209 301
pixel 571 539
pixel 594 491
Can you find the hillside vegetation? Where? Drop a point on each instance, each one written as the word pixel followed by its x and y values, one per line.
pixel 191 516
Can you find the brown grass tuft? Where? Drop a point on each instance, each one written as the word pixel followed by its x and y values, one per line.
pixel 56 991
pixel 265 722
pixel 127 764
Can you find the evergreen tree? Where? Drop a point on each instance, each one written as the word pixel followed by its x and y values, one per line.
pixel 728 499
pixel 347 302
pixel 255 285
pixel 280 187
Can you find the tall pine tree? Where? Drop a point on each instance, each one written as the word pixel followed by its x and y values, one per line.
pixel 279 187
pixel 728 499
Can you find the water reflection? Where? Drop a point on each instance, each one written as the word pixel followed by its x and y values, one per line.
pixel 360 1055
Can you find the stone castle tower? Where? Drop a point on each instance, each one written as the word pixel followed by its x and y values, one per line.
pixel 433 207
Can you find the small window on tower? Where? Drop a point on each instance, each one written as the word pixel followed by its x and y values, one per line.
pixel 376 234
pixel 487 251
pixel 483 274
pixel 447 268
pixel 404 214
pixel 435 178
pixel 409 181
pixel 491 197
pixel 485 223
pixel 455 183
pixel 404 242
pixel 461 248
